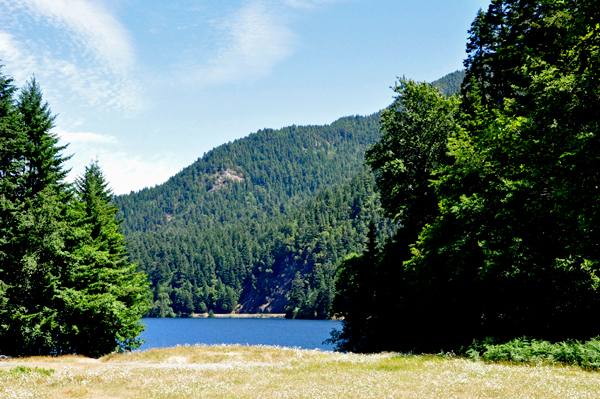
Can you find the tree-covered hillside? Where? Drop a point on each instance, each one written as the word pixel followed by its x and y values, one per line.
pixel 253 219
pixel 450 83
pixel 207 235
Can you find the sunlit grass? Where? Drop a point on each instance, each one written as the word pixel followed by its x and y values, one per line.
pixel 272 372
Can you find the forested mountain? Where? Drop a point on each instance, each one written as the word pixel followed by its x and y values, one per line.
pixel 252 219
pixel 450 83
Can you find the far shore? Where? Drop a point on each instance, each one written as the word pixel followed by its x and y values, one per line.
pixel 241 315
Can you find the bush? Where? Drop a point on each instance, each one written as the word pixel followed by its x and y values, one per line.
pixel 526 350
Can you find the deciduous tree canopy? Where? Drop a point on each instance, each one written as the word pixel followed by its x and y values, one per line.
pixel 511 247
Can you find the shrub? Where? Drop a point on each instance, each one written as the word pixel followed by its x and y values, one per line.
pixel 526 350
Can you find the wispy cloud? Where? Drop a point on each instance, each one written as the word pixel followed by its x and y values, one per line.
pixel 125 171
pixel 308 4
pixel 12 53
pixel 254 40
pixel 97 67
pixel 87 137
pixel 96 29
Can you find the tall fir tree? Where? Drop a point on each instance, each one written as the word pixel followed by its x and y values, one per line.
pixel 35 256
pixel 12 144
pixel 104 297
pixel 65 283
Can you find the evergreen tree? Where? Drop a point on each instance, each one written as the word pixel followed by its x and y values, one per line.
pixel 12 150
pixel 296 298
pixel 104 297
pixel 65 284
pixel 35 257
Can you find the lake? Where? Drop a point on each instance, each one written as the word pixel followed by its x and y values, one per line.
pixel 305 334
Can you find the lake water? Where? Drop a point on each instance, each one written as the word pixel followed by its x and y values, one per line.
pixel 305 334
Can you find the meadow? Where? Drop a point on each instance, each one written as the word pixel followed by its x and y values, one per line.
pixel 234 371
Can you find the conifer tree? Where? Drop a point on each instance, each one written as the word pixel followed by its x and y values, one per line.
pixel 12 142
pixel 105 296
pixel 65 283
pixel 34 215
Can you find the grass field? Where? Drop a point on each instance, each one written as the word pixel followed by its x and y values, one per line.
pixel 272 372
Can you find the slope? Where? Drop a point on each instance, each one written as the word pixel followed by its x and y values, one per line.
pixel 261 223
pixel 208 232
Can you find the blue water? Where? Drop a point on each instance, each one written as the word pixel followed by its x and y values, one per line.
pixel 305 334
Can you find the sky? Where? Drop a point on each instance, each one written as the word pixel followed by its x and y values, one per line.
pixel 146 87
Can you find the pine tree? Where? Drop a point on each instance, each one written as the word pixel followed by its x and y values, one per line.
pixel 12 144
pixel 105 296
pixel 34 223
pixel 296 298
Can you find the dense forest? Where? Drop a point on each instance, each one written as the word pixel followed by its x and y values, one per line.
pixel 252 219
pixel 495 192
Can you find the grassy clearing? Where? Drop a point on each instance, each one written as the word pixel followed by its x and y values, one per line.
pixel 272 372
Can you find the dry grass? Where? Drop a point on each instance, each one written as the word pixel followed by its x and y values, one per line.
pixel 272 372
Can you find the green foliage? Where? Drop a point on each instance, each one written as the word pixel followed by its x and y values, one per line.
pixel 498 212
pixel 66 285
pixel 411 149
pixel 372 288
pixel 526 350
pixel 518 203
pixel 17 371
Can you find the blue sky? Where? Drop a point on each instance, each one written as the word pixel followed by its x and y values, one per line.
pixel 148 86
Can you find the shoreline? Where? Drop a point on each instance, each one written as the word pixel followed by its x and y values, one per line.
pixel 240 316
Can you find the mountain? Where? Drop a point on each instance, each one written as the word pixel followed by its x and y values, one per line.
pixel 450 83
pixel 258 224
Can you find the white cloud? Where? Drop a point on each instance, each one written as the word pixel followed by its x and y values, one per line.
pixel 97 71
pixel 90 24
pixel 86 137
pixel 124 171
pixel 255 39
